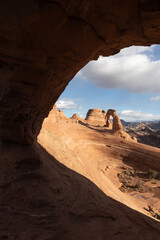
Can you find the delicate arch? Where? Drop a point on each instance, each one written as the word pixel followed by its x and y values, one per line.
pixel 117 125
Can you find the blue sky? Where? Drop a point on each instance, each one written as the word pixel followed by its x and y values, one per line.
pixel 128 82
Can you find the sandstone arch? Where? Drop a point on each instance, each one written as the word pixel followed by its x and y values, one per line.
pixel 117 125
pixel 43 44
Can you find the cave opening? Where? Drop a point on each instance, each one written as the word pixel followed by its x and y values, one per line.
pixel 43 44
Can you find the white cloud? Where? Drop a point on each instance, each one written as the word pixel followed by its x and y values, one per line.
pixel 136 50
pixel 157 98
pixel 67 104
pixel 73 99
pixel 132 115
pixel 131 69
pixel 63 104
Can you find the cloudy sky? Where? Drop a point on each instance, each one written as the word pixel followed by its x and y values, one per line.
pixel 128 82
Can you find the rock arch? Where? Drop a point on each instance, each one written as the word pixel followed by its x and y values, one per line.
pixel 43 44
pixel 117 125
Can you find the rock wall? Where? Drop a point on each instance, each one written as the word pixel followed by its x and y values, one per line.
pixel 43 44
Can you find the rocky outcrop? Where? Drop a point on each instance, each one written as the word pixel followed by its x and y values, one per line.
pixel 57 115
pixel 43 44
pixel 76 118
pixel 117 125
pixel 96 116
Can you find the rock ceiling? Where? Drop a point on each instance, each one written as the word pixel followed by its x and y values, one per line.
pixel 44 43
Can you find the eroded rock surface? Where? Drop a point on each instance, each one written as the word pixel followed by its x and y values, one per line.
pixel 117 125
pixel 43 44
pixel 76 118
pixel 57 115
pixel 96 116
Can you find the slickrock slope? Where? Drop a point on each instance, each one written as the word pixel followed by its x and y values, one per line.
pixel 96 116
pixel 42 199
pixel 99 155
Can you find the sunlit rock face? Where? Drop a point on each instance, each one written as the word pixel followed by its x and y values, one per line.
pixel 117 125
pixel 43 44
pixel 76 118
pixel 96 116
pixel 57 115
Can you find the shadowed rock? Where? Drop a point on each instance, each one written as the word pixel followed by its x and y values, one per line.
pixel 43 44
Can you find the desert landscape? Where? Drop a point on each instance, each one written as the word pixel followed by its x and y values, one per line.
pixel 107 156
pixel 147 133
pixel 75 178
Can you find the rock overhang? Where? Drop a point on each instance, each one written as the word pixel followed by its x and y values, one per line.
pixel 43 44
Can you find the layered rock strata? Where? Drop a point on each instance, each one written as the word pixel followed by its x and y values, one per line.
pixel 96 116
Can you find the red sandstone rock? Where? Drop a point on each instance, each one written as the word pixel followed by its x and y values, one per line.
pixel 57 115
pixel 117 125
pixel 76 118
pixel 96 116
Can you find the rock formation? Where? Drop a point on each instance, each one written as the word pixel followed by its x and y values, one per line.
pixel 57 115
pixel 43 44
pixel 117 125
pixel 96 116
pixel 99 117
pixel 76 118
